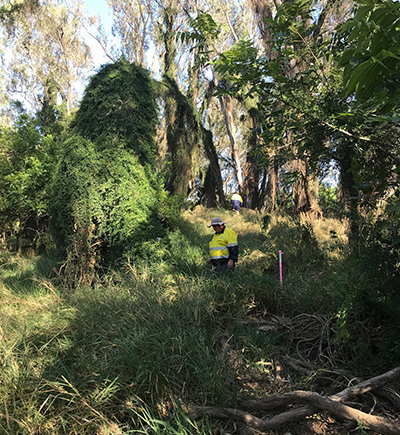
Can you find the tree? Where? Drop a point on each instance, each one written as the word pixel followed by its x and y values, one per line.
pixel 49 55
pixel 133 22
pixel 368 50
pixel 106 194
pixel 119 104
pixel 184 154
pixel 369 53
pixel 203 33
pixel 291 85
pixel 27 163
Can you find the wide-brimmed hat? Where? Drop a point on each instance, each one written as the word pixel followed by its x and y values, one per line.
pixel 216 221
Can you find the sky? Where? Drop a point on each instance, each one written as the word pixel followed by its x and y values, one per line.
pixel 99 8
pixel 95 8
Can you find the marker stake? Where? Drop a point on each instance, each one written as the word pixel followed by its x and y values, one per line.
pixel 280 267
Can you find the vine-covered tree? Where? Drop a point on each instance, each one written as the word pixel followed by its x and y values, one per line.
pixel 106 194
pixel 119 104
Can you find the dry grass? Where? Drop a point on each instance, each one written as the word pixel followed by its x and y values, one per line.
pixel 330 234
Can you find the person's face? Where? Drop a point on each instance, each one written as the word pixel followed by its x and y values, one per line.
pixel 218 228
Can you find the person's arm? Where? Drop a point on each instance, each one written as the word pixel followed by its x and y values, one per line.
pixel 233 248
pixel 233 253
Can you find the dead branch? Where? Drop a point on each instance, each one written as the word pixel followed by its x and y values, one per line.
pixel 369 385
pixel 250 420
pixel 390 396
pixel 314 402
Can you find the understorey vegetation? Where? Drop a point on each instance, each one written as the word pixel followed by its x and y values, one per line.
pixel 156 346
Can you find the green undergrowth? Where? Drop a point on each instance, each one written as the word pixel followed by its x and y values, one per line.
pixel 129 353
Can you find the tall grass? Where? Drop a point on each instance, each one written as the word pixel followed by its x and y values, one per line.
pixel 128 353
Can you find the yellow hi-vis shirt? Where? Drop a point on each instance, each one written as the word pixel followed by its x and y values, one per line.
pixel 220 244
pixel 236 197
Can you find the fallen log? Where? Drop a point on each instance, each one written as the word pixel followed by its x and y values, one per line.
pixel 313 402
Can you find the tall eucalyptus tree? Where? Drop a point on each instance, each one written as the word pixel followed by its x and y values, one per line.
pixel 206 39
pixel 47 54
pixel 291 78
pixel 134 25
pixel 292 43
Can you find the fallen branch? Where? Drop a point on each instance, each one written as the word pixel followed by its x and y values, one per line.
pixel 248 419
pixel 314 402
pixel 390 396
pixel 369 385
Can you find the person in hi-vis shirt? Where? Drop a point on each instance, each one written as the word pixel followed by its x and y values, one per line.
pixel 224 248
pixel 236 202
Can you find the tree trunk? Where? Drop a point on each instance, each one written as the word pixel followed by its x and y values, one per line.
pixel 181 124
pixel 269 200
pixel 305 192
pixel 263 11
pixel 227 110
pixel 250 191
pixel 213 184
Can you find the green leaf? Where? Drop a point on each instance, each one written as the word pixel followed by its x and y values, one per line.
pixel 362 78
pixel 396 241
